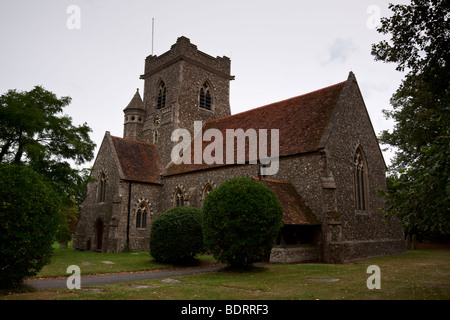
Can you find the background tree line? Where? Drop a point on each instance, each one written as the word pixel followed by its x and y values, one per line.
pixel 418 184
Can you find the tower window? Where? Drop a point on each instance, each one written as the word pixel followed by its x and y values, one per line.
pixel 205 97
pixel 161 103
pixel 360 181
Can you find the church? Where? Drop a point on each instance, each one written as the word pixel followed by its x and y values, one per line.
pixel 330 165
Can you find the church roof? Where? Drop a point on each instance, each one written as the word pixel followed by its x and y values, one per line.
pixel 295 210
pixel 136 102
pixel 301 121
pixel 139 161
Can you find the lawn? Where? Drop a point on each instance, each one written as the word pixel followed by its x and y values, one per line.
pixel 417 275
pixel 91 262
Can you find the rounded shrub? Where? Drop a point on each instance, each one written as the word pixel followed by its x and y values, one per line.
pixel 241 219
pixel 29 218
pixel 176 236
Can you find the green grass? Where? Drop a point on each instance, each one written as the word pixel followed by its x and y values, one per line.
pixel 92 262
pixel 417 275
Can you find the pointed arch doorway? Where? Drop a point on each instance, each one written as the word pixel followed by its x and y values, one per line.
pixel 98 234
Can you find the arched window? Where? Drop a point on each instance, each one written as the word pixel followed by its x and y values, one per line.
pixel 360 181
pixel 207 189
pixel 101 192
pixel 155 137
pixel 205 97
pixel 141 215
pixel 161 103
pixel 179 198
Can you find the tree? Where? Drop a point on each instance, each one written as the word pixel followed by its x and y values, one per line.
pixel 419 182
pixel 34 132
pixel 29 218
pixel 68 222
pixel 241 219
pixel 176 236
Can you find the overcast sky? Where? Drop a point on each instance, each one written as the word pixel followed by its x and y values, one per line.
pixel 94 50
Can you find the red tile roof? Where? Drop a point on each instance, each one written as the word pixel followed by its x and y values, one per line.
pixel 139 161
pixel 301 122
pixel 295 210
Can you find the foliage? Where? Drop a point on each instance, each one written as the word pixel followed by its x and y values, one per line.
pixel 241 219
pixel 33 131
pixel 69 218
pixel 419 186
pixel 176 236
pixel 29 213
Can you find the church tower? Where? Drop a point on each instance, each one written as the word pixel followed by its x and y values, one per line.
pixel 181 86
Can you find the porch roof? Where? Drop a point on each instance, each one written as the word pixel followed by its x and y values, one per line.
pixel 295 210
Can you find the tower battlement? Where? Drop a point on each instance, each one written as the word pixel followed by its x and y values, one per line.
pixel 183 49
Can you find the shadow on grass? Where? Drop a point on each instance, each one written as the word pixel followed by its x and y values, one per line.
pixel 254 268
pixel 187 263
pixel 22 288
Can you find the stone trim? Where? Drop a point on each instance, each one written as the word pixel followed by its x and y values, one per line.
pixel 294 254
pixel 191 61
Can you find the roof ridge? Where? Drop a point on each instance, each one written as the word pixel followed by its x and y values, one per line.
pixel 134 141
pixel 277 102
pixel 271 180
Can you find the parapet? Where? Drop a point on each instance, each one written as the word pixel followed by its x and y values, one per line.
pixel 184 50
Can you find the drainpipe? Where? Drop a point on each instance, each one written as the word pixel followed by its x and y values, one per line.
pixel 128 217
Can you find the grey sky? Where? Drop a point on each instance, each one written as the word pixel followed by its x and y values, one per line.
pixel 278 49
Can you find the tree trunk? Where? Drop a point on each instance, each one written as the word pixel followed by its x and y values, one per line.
pixel 5 150
pixel 413 242
pixel 19 149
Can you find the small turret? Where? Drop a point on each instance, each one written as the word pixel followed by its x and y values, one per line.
pixel 134 118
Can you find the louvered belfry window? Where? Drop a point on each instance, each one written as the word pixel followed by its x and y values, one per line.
pixel 161 103
pixel 205 97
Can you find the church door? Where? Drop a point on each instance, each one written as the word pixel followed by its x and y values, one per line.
pixel 99 233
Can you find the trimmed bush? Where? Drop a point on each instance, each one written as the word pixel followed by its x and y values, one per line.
pixel 241 219
pixel 29 213
pixel 176 236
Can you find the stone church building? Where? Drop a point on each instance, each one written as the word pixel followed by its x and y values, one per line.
pixel 330 164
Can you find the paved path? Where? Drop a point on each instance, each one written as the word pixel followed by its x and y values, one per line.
pixel 87 281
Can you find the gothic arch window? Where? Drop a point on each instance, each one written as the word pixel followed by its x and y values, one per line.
pixel 205 96
pixel 141 215
pixel 179 198
pixel 155 137
pixel 101 192
pixel 360 181
pixel 206 190
pixel 161 102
